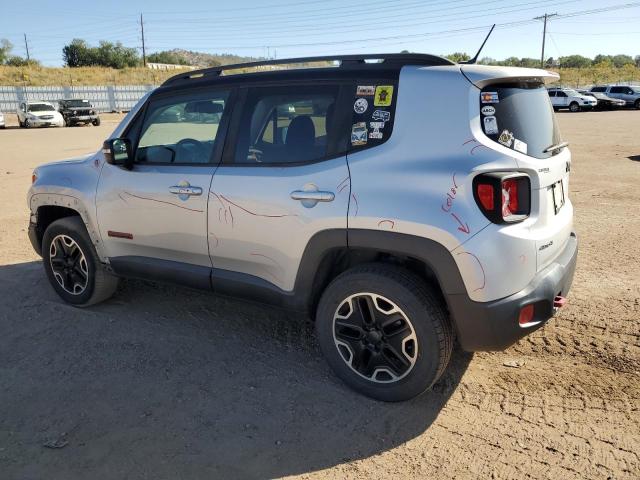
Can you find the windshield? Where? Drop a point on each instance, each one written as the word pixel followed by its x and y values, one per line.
pixel 40 107
pixel 571 93
pixel 636 89
pixel 77 103
pixel 520 117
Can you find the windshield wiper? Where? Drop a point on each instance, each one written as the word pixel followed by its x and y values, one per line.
pixel 555 147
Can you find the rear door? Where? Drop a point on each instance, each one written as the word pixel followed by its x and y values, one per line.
pixel 283 179
pixel 619 92
pixel 158 210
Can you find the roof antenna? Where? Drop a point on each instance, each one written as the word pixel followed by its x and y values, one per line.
pixel 473 60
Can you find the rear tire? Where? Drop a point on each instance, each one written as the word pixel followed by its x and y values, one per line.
pixel 72 264
pixel 27 123
pixel 96 122
pixel 574 107
pixel 384 333
pixel 637 104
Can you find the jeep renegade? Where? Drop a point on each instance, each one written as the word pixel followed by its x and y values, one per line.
pixel 402 201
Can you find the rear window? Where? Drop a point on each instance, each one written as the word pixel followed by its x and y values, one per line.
pixel 521 118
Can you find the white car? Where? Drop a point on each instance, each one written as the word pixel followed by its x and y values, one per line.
pixel 39 114
pixel 2 124
pixel 571 99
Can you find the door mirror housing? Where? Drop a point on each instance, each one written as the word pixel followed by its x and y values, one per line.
pixel 117 151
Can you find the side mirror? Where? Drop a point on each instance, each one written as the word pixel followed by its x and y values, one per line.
pixel 117 151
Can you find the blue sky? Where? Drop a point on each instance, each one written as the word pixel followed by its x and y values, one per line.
pixel 289 28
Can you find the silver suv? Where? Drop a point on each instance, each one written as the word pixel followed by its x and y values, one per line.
pixel 403 203
pixel 629 93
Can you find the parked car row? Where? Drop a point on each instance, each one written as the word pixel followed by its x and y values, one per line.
pixel 598 98
pixel 70 112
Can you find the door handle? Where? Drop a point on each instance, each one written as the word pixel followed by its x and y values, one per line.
pixel 185 190
pixel 313 196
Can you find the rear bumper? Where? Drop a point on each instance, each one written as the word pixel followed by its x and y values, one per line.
pixel 494 325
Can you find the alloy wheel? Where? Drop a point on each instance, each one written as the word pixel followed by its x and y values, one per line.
pixel 68 264
pixel 375 337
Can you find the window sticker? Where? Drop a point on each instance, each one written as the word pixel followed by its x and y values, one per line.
pixel 506 138
pixel 520 146
pixel 489 97
pixel 360 106
pixel 376 134
pixel 359 133
pixel 384 95
pixel 490 125
pixel 366 90
pixel 488 110
pixel 381 115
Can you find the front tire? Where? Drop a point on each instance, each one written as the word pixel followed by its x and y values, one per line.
pixel 72 264
pixel 384 333
pixel 574 107
pixel 637 104
pixel 96 122
pixel 27 123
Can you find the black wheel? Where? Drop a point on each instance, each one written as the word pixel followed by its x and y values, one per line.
pixel 574 107
pixel 383 332
pixel 96 121
pixel 72 265
pixel 27 123
pixel 637 104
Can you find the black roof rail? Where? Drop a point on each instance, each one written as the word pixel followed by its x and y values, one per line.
pixel 419 59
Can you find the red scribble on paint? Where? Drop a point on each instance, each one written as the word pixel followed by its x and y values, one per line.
pixel 265 215
pixel 215 238
pixel 484 276
pixel 464 227
pixel 477 146
pixel 356 201
pixel 523 258
pixel 451 195
pixel 162 201
pixel 343 184
pixel 343 187
pixel 123 199
pixel 470 140
pixel 393 224
pixel 450 198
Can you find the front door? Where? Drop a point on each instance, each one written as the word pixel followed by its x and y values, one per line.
pixel 158 210
pixel 284 179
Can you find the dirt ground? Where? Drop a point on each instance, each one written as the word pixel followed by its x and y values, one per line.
pixel 164 382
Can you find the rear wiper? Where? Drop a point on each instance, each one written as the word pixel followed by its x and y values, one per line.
pixel 555 147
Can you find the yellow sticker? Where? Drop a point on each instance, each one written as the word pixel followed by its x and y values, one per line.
pixel 384 94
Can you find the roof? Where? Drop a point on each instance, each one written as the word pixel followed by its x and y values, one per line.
pixel 395 60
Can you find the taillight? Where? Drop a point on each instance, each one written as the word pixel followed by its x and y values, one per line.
pixel 503 197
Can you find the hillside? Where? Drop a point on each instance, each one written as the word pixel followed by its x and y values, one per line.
pixel 208 59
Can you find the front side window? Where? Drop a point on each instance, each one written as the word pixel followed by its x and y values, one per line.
pixel 181 131
pixel 520 117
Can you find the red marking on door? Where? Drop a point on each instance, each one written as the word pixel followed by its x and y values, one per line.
pixel 387 221
pixel 355 200
pixel 340 184
pixel 162 201
pixel 128 236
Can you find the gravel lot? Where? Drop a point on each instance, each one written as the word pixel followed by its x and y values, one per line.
pixel 164 382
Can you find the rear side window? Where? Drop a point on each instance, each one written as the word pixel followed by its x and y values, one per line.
pixel 599 89
pixel 373 113
pixel 283 125
pixel 520 117
pixel 618 89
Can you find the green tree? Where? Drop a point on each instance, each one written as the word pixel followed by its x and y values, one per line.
pixel 574 61
pixel 458 57
pixel 622 60
pixel 167 57
pixel 5 50
pixel 115 55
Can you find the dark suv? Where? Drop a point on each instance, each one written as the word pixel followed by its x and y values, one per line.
pixel 76 111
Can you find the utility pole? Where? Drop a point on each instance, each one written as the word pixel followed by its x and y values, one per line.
pixel 26 45
pixel 144 52
pixel 544 33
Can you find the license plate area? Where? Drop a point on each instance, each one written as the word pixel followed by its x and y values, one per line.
pixel 557 193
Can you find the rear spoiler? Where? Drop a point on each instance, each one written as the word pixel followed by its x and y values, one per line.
pixel 483 75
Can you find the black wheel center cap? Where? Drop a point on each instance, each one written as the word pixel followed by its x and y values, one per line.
pixel 374 337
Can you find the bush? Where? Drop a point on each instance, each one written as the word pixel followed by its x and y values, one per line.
pixel 114 55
